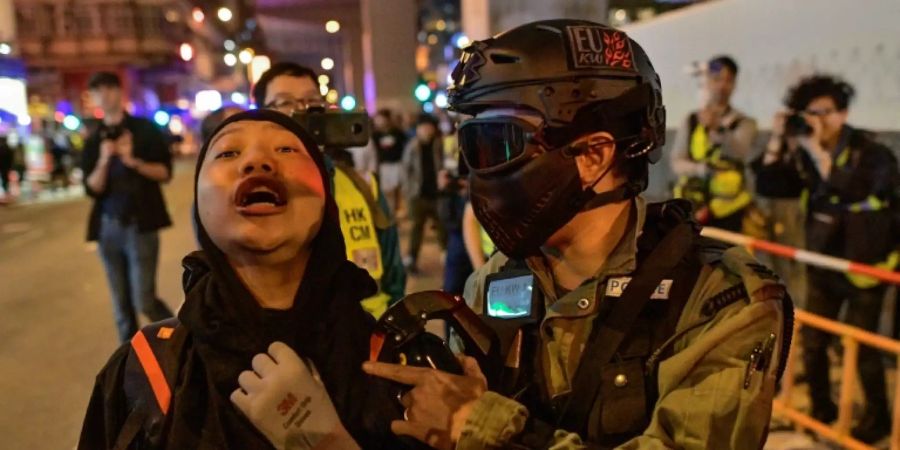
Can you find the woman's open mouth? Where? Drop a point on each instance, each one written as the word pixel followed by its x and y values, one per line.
pixel 260 196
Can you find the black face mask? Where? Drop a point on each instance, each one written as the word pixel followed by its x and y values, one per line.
pixel 520 209
pixel 520 193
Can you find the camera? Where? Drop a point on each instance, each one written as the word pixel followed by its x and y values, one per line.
pixel 333 128
pixel 796 125
pixel 111 132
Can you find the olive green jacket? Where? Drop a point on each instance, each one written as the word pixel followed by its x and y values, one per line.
pixel 703 402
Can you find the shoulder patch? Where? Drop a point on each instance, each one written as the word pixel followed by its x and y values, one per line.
pixel 760 282
pixel 714 304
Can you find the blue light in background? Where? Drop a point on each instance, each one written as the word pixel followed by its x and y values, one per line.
pixel 348 103
pixel 71 122
pixel 161 118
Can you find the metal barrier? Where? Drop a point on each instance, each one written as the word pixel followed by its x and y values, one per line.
pixel 851 337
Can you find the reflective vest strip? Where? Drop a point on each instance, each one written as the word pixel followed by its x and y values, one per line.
pixel 154 372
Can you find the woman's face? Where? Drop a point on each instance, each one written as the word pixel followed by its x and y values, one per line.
pixel 260 191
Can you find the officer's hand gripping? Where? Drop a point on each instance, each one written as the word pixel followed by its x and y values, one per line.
pixel 438 404
pixel 286 401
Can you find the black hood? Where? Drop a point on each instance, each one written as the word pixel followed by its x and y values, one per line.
pixel 221 312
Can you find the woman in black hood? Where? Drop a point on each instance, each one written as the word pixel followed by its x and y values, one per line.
pixel 272 267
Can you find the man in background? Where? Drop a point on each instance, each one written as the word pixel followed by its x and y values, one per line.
pixel 124 162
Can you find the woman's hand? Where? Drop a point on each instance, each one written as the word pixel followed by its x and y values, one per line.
pixel 284 398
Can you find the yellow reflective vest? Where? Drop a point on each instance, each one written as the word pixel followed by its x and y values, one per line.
pixel 360 237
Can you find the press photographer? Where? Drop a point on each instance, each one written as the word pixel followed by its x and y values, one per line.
pixel 852 188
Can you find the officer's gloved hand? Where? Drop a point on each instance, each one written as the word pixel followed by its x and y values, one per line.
pixel 285 399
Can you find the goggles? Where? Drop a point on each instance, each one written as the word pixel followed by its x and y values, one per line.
pixel 495 143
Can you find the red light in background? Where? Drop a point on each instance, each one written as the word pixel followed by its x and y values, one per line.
pixel 59 116
pixel 98 113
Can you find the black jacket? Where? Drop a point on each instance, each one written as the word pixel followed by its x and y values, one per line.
pixel 787 177
pixel 202 417
pixel 838 225
pixel 149 145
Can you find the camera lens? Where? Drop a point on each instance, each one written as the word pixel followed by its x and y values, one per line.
pixel 795 125
pixel 356 128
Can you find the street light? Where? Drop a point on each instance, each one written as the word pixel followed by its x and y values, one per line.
pixel 224 14
pixel 186 51
pixel 332 26
pixel 230 59
pixel 229 45
pixel 208 100
pixel 259 66
pixel 348 103
pixel 245 56
pixel 198 15
pixel 323 88
pixel 440 100
pixel 5 48
pixel 237 97
pixel 422 92
pixel 327 63
pixel 331 96
pixel 462 41
pixel 323 79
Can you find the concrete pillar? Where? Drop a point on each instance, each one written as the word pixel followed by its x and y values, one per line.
pixel 476 19
pixel 8 23
pixel 389 46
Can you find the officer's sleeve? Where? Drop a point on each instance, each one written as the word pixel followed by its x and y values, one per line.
pixel 704 402
pixel 682 165
pixel 711 393
pixel 706 398
pixel 107 409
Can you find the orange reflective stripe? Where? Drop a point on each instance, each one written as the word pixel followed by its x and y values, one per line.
pixel 154 373
pixel 376 342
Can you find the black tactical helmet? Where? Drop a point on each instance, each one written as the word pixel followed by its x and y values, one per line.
pixel 576 73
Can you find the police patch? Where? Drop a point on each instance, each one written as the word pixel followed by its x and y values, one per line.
pixel 616 286
pixel 595 47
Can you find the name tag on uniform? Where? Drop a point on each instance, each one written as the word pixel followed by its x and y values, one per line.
pixel 615 287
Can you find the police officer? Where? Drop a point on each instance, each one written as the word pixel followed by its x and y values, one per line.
pixel 370 233
pixel 639 333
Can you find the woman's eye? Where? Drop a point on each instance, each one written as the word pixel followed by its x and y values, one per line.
pixel 227 154
pixel 286 149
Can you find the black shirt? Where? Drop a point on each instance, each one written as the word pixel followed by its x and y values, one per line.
pixel 429 176
pixel 128 194
pixel 390 145
pixel 121 189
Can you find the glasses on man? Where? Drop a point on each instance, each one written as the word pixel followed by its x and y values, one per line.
pixel 820 112
pixel 289 105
